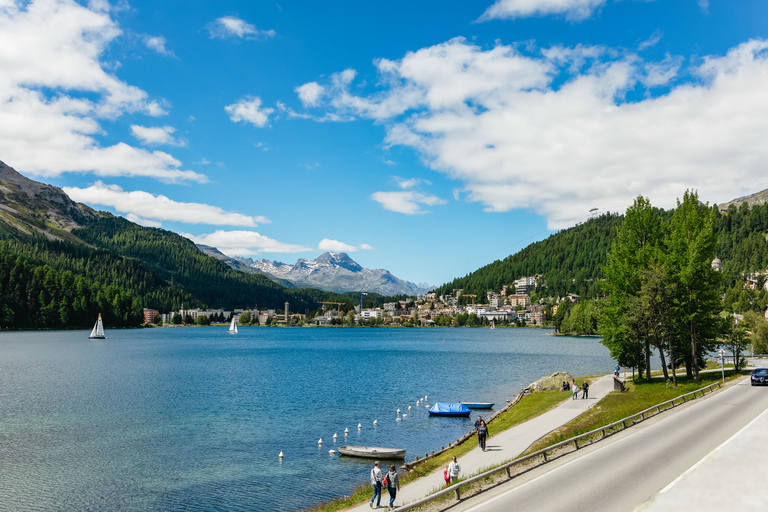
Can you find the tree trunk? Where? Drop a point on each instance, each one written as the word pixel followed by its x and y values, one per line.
pixel 688 370
pixel 663 363
pixel 647 359
pixel 672 362
pixel 694 356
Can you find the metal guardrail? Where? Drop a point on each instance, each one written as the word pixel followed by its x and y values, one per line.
pixel 543 452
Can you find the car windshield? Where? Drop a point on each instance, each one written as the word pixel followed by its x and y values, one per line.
pixel 760 371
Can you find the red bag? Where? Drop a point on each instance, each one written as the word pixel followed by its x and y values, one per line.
pixel 447 478
pixel 385 482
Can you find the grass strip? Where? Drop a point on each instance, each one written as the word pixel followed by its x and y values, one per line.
pixel 638 396
pixel 530 406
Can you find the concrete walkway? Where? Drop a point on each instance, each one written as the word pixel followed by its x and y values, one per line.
pixel 504 446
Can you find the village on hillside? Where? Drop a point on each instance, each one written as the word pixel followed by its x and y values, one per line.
pixel 512 305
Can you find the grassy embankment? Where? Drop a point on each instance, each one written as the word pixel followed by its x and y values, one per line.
pixel 529 407
pixel 638 396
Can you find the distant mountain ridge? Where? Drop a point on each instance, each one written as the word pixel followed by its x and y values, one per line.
pixel 331 271
pixel 751 200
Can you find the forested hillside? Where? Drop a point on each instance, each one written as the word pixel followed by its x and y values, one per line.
pixel 570 260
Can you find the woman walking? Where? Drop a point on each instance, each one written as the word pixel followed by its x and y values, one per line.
pixel 393 485
pixel 482 433
pixel 575 389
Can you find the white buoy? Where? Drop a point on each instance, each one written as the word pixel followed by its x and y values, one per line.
pixel 281 455
pixel 375 422
pixel 320 441
pixel 331 451
pixel 335 435
pixel 409 407
pixel 425 397
pixel 426 406
pixel 399 419
pixel 405 415
pixel 346 431
pixel 398 411
pixel 359 426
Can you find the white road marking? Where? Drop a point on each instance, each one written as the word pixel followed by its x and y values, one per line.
pixel 710 454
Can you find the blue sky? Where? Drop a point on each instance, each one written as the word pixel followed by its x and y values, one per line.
pixel 428 138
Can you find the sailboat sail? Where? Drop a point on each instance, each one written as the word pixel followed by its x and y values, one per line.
pixel 232 327
pixel 98 330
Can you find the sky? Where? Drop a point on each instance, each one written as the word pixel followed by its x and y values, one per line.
pixel 428 138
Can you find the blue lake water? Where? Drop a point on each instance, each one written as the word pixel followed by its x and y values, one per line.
pixel 186 419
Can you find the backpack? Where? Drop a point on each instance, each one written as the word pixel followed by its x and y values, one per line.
pixel 455 469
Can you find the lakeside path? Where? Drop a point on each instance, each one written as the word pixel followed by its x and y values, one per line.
pixel 502 446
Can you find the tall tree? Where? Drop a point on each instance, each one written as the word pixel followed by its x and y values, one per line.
pixel 696 298
pixel 637 247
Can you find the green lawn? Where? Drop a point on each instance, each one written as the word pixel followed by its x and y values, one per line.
pixel 616 406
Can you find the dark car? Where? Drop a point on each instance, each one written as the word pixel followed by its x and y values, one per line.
pixel 759 377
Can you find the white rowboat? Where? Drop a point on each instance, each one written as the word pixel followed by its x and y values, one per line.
pixel 372 452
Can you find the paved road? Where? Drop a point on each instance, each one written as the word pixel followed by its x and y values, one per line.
pixel 626 471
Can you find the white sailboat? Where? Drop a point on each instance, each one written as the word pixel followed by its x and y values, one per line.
pixel 232 326
pixel 98 330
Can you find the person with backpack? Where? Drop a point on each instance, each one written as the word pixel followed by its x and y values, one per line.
pixel 393 485
pixel 585 389
pixel 482 433
pixel 454 469
pixel 376 480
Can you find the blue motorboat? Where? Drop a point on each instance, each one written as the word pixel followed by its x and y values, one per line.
pixel 449 409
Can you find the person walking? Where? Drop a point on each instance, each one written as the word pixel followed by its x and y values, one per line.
pixel 482 433
pixel 575 389
pixel 454 469
pixel 585 389
pixel 376 479
pixel 478 421
pixel 393 485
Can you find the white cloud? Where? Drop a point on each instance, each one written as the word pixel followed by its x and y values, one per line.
pixel 651 41
pixel 661 73
pixel 232 26
pixel 156 135
pixel 406 184
pixel 249 110
pixel 309 93
pixel 573 9
pixel 328 245
pixel 244 243
pixel 157 43
pixel 407 202
pixel 527 132
pixel 151 209
pixel 54 90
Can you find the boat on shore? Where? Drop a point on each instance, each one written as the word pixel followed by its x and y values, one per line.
pixel 98 330
pixel 478 405
pixel 372 452
pixel 449 409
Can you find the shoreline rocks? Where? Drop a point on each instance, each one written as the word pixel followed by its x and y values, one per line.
pixel 553 382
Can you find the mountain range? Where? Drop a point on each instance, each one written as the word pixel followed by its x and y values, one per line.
pixel 331 271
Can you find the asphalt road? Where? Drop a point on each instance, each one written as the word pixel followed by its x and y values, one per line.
pixel 626 470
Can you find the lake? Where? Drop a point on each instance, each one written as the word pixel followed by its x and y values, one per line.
pixel 174 419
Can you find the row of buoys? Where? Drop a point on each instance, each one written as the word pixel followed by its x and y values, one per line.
pixel 360 427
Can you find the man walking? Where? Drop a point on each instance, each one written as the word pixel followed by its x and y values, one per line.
pixel 376 479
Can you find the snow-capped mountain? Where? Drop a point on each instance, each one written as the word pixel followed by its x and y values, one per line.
pixel 331 271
